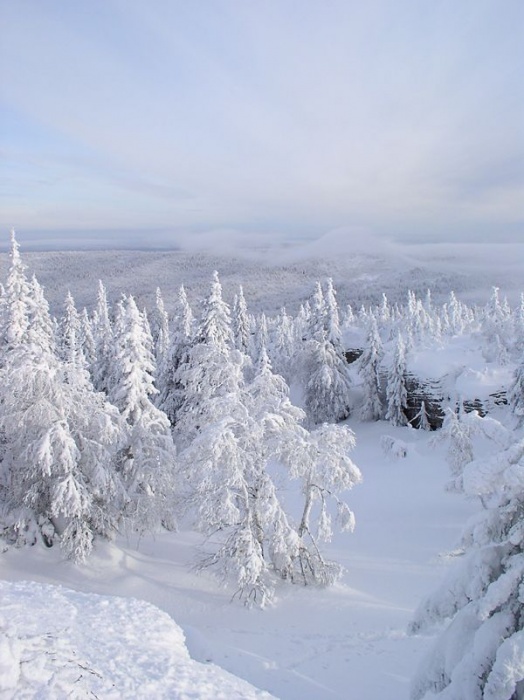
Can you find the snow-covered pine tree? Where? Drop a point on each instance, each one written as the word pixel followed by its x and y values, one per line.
pixel 332 317
pixel 160 328
pixel 369 363
pixel 421 420
pixel 69 331
pixel 396 386
pixel 103 336
pixel 284 345
pixel 317 314
pixel 210 368
pixel 41 328
pixel 516 393
pixel 69 348
pixel 59 472
pixel 87 341
pixel 219 459
pixel 349 317
pixel 480 653
pixel 170 396
pixel 60 441
pixel 384 313
pixel 148 461
pixel 17 300
pixel 455 315
pixel 215 325
pixel 240 321
pixel 327 394
pixel 518 326
pixel 458 434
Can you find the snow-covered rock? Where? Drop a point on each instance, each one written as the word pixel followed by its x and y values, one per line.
pixel 57 643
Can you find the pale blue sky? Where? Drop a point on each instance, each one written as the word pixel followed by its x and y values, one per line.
pixel 268 117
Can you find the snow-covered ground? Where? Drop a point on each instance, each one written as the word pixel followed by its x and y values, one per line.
pixel 57 643
pixel 347 642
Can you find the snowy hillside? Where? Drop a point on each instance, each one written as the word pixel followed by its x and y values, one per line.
pixel 56 643
pixel 348 642
pixel 213 461
pixel 273 278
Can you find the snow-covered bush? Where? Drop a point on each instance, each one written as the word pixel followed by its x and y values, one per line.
pixel 393 447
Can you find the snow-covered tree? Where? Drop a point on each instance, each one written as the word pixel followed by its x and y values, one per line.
pixel 260 339
pixel 516 393
pixel 41 328
pixel 243 432
pixel 241 324
pixel 17 300
pixel 396 386
pixel 69 347
pixel 327 394
pixel 421 420
pixel 284 345
pixel 215 325
pixel 332 317
pixel 369 371
pixel 320 460
pixel 60 441
pixel 518 326
pixel 171 396
pixel 317 314
pixel 211 367
pixel 480 653
pixel 103 336
pixel 87 343
pixel 160 328
pixel 458 433
pixel 148 461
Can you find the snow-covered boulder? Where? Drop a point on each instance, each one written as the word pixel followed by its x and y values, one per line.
pixel 57 643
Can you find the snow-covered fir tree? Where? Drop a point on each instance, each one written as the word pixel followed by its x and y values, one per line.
pixel 457 431
pixel 369 371
pixel 148 461
pixel 87 341
pixel 170 391
pixel 210 367
pixel 160 328
pixel 18 303
pixel 421 419
pixel 284 344
pixel 241 324
pixel 516 392
pixel 69 343
pixel 327 393
pixel 60 443
pixel 332 317
pixel 41 328
pixel 480 653
pixel 317 314
pixel 103 336
pixel 396 386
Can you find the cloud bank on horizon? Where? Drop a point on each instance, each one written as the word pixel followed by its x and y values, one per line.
pixel 279 118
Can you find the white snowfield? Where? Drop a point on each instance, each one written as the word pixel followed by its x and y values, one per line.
pixel 56 643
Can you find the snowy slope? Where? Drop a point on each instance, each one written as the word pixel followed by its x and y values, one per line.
pixel 56 643
pixel 348 642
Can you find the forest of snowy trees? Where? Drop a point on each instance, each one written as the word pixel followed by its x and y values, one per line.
pixel 120 419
